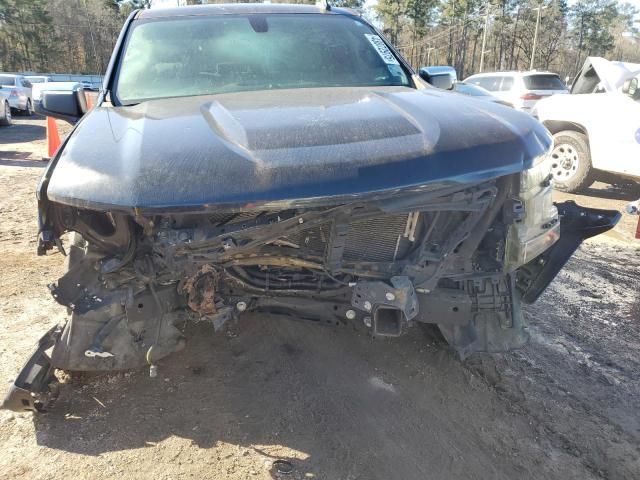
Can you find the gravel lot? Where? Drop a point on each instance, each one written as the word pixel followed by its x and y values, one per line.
pixel 333 401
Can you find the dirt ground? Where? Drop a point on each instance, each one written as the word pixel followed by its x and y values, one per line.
pixel 333 401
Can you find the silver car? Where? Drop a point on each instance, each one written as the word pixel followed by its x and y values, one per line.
pixel 5 109
pixel 478 92
pixel 19 90
pixel 39 83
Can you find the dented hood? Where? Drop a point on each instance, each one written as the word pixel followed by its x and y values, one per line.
pixel 255 148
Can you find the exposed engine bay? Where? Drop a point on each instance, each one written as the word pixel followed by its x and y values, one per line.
pixel 459 257
pixel 136 280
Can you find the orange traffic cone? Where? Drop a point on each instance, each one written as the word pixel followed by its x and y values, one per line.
pixel 89 101
pixel 638 230
pixel 53 139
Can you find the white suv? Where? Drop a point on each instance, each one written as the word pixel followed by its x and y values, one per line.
pixel 520 89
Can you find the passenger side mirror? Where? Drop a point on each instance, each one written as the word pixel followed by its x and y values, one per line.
pixel 68 105
pixel 631 89
pixel 439 77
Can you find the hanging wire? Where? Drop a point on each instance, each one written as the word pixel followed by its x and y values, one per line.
pixel 441 34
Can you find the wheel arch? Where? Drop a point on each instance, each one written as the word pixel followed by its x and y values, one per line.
pixel 557 126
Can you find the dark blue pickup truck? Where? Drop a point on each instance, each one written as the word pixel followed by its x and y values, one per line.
pixel 284 159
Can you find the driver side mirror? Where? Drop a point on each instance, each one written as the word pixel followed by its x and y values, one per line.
pixel 439 77
pixel 631 89
pixel 68 105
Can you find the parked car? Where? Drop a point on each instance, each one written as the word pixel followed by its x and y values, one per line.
pixel 38 78
pixel 478 92
pixel 19 88
pixel 596 128
pixel 283 159
pixel 520 89
pixel 5 109
pixel 38 83
pixel 90 86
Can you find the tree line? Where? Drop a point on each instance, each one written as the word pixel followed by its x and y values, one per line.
pixel 77 36
pixel 70 36
pixel 452 32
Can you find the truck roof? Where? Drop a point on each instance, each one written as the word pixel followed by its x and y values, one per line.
pixel 240 9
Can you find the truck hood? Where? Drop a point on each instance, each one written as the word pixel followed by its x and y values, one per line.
pixel 608 74
pixel 247 149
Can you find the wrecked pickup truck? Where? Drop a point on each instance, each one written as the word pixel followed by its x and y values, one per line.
pixel 286 160
pixel 596 129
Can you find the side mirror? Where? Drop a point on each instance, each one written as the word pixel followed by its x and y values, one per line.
pixel 631 88
pixel 68 105
pixel 443 78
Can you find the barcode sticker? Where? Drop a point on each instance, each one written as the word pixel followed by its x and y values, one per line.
pixel 382 49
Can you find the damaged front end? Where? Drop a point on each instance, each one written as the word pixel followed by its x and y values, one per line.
pixel 459 256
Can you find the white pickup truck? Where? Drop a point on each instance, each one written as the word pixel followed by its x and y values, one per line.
pixel 597 127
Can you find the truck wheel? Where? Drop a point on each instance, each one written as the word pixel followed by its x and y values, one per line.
pixel 571 162
pixel 29 111
pixel 5 120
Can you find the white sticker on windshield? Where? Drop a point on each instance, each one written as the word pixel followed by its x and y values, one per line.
pixel 382 49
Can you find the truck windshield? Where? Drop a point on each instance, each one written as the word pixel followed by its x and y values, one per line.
pixel 231 53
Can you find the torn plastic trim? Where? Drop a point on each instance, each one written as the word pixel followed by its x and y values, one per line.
pixel 576 224
pixel 497 323
pixel 35 388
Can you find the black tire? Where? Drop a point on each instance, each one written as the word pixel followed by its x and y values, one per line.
pixel 6 120
pixel 29 111
pixel 571 162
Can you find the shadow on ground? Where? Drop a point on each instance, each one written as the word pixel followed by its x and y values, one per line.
pixel 23 132
pixel 349 405
pixel 614 188
pixel 22 162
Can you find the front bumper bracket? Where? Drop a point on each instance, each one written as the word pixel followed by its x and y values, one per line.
pixel 35 388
